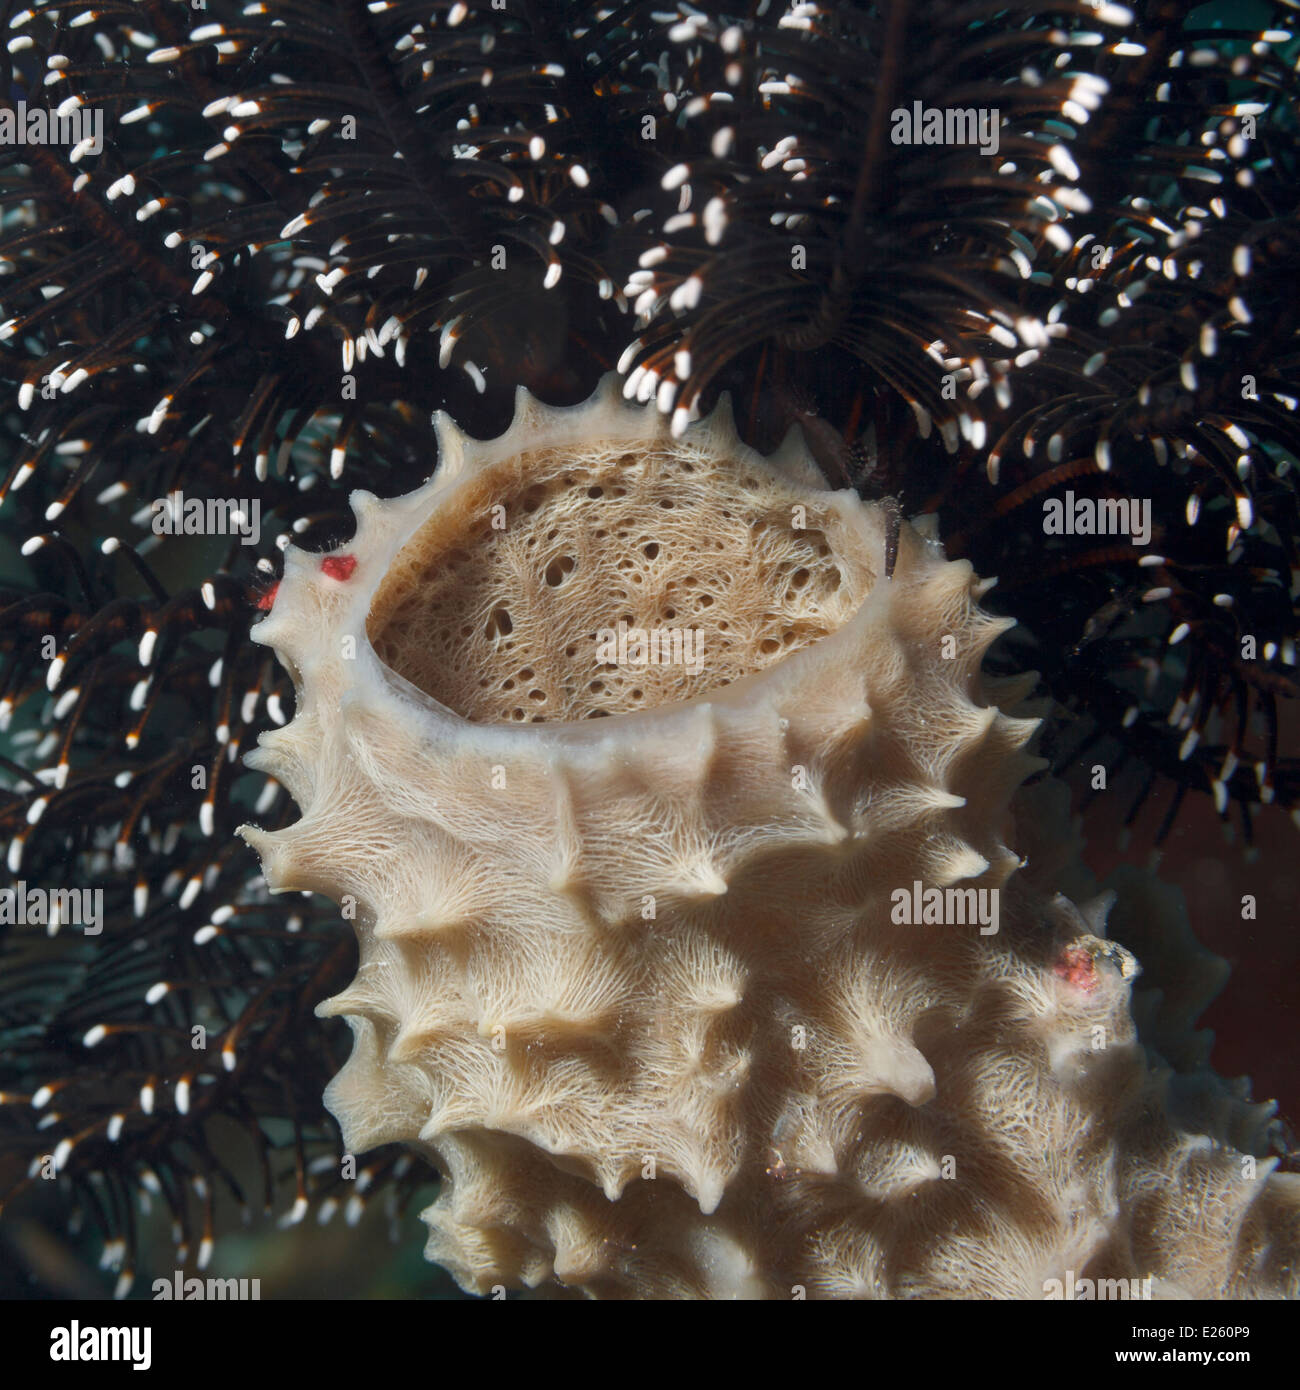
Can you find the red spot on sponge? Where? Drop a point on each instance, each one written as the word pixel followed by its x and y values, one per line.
pixel 339 566
pixel 1075 966
pixel 265 600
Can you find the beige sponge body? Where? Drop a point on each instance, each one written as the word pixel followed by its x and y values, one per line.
pixel 706 946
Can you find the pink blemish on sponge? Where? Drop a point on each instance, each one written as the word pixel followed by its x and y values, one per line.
pixel 339 567
pixel 1075 966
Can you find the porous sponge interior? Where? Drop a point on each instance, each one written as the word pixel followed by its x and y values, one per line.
pixel 506 605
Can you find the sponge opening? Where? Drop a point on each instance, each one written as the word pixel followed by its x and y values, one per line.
pixel 577 584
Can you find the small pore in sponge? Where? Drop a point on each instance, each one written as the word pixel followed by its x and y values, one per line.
pixel 614 580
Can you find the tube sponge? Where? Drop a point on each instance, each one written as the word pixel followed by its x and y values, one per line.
pixel 694 952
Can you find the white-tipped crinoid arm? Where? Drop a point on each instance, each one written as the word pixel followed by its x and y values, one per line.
pixel 692 952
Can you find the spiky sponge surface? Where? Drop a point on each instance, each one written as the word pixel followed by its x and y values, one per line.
pixel 642 986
